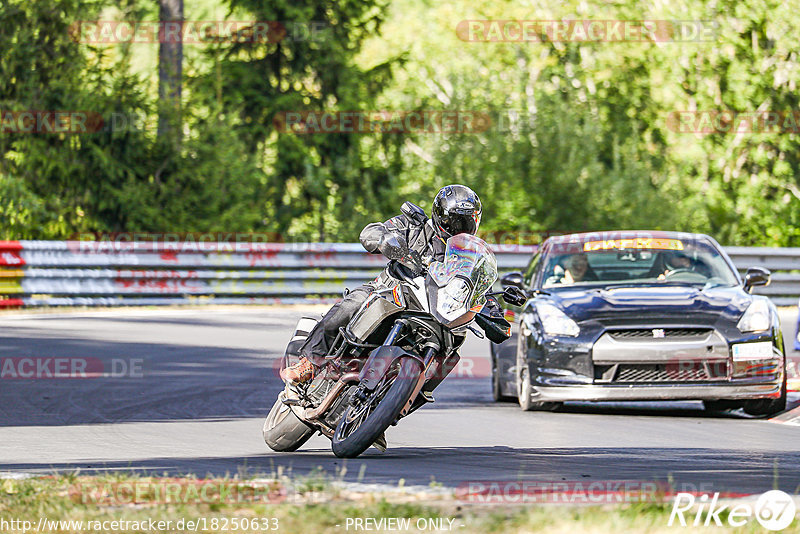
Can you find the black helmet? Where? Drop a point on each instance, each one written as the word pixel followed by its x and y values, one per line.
pixel 456 210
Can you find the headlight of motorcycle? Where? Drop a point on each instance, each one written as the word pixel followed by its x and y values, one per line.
pixel 555 322
pixel 452 299
pixel 756 318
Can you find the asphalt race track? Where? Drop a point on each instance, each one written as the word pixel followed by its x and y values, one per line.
pixel 198 382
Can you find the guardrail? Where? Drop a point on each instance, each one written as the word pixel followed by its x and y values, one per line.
pixel 110 273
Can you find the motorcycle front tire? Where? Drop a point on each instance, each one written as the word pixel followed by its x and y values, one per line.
pixel 382 417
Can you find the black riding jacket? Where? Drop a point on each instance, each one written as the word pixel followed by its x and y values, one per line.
pixel 421 237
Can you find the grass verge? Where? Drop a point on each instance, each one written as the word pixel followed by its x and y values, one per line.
pixel 310 504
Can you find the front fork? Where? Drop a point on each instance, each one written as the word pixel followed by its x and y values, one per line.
pixel 430 349
pixel 430 352
pixel 394 333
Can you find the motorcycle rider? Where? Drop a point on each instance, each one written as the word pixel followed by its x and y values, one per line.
pixel 456 209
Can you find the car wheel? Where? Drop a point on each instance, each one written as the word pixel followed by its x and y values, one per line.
pixel 768 406
pixel 497 390
pixel 524 392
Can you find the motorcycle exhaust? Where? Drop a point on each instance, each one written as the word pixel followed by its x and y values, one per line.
pixel 324 406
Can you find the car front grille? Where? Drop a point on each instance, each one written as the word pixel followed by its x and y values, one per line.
pixel 671 372
pixel 672 334
pixel 684 354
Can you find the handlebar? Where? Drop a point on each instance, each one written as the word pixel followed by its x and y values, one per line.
pixel 402 272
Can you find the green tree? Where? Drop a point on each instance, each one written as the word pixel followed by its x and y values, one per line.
pixel 320 186
pixel 121 177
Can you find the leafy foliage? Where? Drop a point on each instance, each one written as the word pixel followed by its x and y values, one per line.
pixel 580 137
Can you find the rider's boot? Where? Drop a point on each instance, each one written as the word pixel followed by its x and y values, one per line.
pixel 299 373
pixel 381 443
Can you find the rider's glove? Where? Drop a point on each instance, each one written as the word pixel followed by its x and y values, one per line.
pixel 492 321
pixel 413 261
pixel 492 308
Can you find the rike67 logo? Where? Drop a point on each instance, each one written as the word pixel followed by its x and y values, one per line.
pixel 774 510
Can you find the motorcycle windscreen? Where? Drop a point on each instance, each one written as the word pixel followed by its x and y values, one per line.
pixel 459 283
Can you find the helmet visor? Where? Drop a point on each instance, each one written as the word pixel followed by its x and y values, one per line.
pixel 461 222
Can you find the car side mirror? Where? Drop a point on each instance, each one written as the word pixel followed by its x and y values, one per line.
pixel 414 212
pixel 514 296
pixel 756 276
pixel 512 280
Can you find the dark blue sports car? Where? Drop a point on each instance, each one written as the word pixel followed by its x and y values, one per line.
pixel 641 316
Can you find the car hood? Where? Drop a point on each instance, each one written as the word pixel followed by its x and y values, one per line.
pixel 665 304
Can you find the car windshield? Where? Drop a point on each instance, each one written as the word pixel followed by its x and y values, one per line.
pixel 637 261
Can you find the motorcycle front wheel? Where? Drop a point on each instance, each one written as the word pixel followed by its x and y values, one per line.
pixel 363 423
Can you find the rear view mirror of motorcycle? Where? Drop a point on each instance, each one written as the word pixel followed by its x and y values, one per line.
pixel 514 296
pixel 394 246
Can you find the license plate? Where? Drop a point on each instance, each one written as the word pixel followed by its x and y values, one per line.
pixel 753 351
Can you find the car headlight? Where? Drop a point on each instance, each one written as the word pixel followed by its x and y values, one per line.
pixel 756 318
pixel 555 322
pixel 451 302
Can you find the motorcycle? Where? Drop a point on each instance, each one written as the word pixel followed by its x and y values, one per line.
pixel 398 347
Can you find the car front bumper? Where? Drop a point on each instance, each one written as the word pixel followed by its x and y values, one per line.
pixel 642 392
pixel 697 369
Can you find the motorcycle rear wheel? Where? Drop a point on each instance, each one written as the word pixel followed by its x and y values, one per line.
pixel 283 430
pixel 355 434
